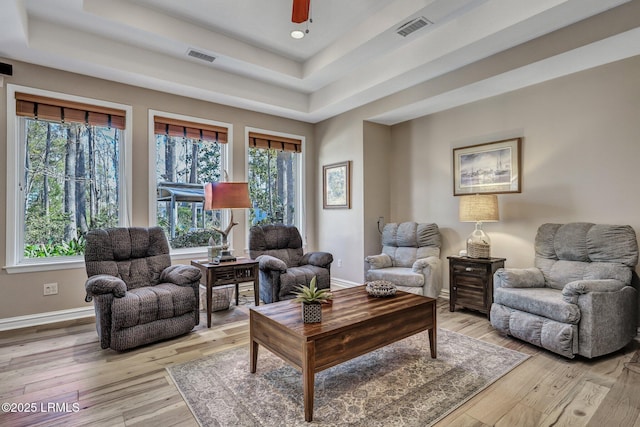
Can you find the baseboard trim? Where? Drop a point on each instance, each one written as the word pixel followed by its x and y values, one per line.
pixel 38 319
pixel 342 283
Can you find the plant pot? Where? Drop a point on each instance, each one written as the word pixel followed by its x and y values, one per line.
pixel 311 312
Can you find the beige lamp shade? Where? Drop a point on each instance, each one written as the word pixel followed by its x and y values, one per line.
pixel 479 208
pixel 221 195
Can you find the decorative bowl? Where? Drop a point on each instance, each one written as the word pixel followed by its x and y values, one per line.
pixel 381 288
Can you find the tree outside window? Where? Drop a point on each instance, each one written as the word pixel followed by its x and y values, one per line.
pixel 273 183
pixel 71 185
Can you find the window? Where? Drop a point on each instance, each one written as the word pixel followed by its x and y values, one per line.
pixel 189 152
pixel 65 174
pixel 275 179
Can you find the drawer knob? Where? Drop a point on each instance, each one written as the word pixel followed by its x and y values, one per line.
pixel 469 269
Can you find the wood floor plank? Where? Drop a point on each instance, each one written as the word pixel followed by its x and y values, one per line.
pixel 578 406
pixel 621 406
pixel 555 383
pixel 461 420
pixel 520 415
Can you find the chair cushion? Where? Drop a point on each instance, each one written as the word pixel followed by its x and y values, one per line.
pixel 559 337
pixel 296 276
pixel 545 302
pixel 411 234
pixel 150 303
pixel 136 255
pixel 399 275
pixel 279 241
pixel 558 273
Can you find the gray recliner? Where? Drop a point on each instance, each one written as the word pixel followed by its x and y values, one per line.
pixel 139 297
pixel 578 299
pixel 282 264
pixel 410 258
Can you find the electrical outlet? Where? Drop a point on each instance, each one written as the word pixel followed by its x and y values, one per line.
pixel 50 288
pixel 339 262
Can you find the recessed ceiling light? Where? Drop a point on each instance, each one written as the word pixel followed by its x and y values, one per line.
pixel 297 34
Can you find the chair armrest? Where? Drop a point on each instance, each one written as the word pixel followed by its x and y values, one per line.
pixel 379 261
pixel 319 259
pixel 268 262
pixel 518 278
pixel 180 274
pixel 420 264
pixel 104 284
pixel 573 290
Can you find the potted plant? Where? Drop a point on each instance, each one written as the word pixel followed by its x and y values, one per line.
pixel 312 298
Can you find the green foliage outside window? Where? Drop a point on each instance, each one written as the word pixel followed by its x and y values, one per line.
pixel 192 162
pixel 272 186
pixel 71 185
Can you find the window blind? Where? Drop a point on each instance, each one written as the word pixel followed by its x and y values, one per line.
pixel 60 110
pixel 186 129
pixel 261 140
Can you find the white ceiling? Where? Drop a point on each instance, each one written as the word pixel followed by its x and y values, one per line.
pixel 350 57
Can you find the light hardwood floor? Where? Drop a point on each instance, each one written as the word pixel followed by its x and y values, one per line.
pixel 63 365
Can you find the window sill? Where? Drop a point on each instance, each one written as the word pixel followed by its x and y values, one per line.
pixel 44 266
pixel 48 265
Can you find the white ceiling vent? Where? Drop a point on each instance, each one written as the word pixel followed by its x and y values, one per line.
pixel 414 25
pixel 202 56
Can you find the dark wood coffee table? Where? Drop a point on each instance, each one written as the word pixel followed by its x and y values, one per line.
pixel 354 324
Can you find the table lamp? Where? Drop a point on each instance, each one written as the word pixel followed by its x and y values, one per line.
pixel 479 208
pixel 226 195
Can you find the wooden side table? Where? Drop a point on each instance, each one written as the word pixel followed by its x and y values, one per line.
pixel 227 273
pixel 471 282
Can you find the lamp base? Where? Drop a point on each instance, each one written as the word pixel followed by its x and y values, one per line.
pixel 478 250
pixel 225 256
pixel 478 243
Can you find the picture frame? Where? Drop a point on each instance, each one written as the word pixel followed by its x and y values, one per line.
pixel 489 168
pixel 336 185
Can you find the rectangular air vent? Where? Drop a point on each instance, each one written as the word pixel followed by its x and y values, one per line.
pixel 414 25
pixel 202 56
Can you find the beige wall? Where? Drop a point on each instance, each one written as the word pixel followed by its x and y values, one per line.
pixel 580 150
pixel 21 293
pixel 340 230
pixel 579 162
pixel 555 118
pixel 376 183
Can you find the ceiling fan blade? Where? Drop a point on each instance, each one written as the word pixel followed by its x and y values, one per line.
pixel 300 11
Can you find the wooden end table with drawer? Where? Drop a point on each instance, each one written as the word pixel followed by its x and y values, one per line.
pixel 471 282
pixel 227 273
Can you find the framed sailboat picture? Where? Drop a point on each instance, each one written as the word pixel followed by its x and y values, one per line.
pixel 493 167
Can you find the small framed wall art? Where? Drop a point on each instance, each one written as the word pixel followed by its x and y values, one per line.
pixel 493 167
pixel 336 186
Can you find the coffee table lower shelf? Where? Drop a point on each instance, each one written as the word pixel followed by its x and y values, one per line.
pixel 354 324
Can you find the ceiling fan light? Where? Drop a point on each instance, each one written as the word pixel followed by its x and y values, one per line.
pixel 297 34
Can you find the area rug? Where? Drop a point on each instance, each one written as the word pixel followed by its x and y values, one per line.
pixel 234 313
pixel 397 385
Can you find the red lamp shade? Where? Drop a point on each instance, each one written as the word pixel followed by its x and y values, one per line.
pixel 221 195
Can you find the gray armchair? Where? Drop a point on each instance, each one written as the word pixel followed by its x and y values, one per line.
pixel 410 258
pixel 282 264
pixel 578 298
pixel 139 297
